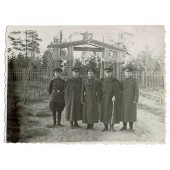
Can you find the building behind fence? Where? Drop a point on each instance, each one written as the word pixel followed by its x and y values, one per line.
pixel 145 79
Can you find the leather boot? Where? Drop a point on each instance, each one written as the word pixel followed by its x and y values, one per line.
pixel 71 125
pixel 112 127
pixel 54 121
pixel 131 126
pixel 124 126
pixel 91 126
pixel 105 127
pixel 59 119
pixel 76 124
pixel 88 126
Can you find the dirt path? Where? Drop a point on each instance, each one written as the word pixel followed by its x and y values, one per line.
pixel 150 127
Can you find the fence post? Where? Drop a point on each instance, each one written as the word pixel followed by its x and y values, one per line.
pixel 24 74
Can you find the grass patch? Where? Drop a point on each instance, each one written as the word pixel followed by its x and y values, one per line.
pixel 30 128
pixel 33 122
pixel 151 109
pixel 35 100
pixel 158 91
pixel 43 114
pixel 24 111
pixel 27 133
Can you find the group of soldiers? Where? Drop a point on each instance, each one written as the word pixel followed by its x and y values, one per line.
pixel 107 99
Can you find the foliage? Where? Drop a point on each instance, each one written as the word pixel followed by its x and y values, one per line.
pixel 22 48
pixel 88 60
pixel 46 58
pixel 121 42
pixel 145 61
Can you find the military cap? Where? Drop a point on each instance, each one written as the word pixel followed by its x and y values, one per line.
pixel 91 70
pixel 57 70
pixel 76 69
pixel 128 69
pixel 108 69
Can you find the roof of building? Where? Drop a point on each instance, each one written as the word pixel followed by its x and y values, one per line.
pixel 91 42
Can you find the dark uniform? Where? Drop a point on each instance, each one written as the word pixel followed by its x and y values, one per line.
pixel 130 95
pixel 56 90
pixel 110 87
pixel 90 97
pixel 73 106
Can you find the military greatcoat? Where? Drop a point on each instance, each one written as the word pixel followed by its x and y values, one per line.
pixel 130 96
pixel 72 93
pixel 110 87
pixel 90 97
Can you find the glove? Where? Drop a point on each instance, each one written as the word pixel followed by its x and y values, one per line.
pixel 113 99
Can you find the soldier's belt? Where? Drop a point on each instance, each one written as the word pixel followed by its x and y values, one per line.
pixel 85 93
pixel 58 91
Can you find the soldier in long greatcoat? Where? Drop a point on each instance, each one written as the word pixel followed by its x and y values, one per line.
pixel 110 100
pixel 73 106
pixel 56 90
pixel 130 95
pixel 90 97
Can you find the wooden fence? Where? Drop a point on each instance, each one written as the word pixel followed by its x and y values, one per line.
pixel 150 79
pixel 33 75
pixel 145 79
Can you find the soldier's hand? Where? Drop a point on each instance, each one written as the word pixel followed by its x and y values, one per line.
pixel 134 102
pixel 113 98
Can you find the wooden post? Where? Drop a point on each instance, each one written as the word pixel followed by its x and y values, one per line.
pixel 24 74
pixel 70 61
pixel 57 59
pixel 70 66
pixel 102 64
pixel 102 70
pixel 106 64
pixel 106 51
pixel 106 58
pixel 114 69
pixel 114 56
pixel 118 70
pixel 118 65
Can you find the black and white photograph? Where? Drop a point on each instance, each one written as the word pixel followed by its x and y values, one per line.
pixel 86 84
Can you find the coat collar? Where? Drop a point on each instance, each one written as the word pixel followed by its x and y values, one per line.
pixel 57 78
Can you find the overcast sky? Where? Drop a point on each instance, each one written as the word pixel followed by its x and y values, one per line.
pixel 142 36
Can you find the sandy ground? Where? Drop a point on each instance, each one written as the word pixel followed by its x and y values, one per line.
pixel 36 116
